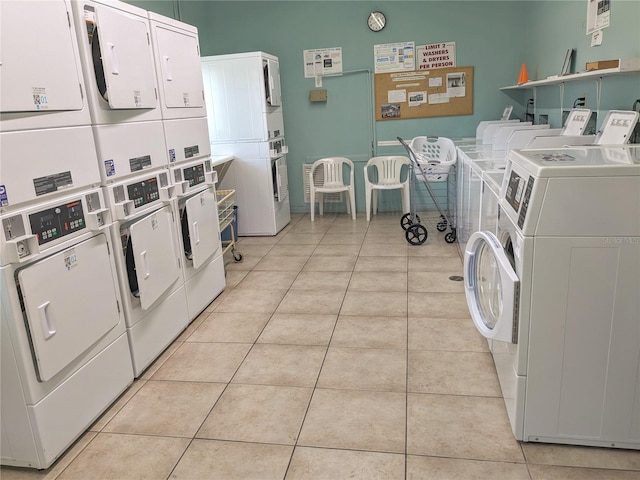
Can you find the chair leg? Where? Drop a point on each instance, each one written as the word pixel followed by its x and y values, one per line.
pixel 368 193
pixel 375 201
pixel 312 200
pixel 352 196
pixel 346 201
pixel 321 203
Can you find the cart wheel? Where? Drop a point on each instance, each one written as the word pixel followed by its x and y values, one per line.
pixel 406 222
pixel 442 226
pixel 450 237
pixel 237 256
pixel 416 234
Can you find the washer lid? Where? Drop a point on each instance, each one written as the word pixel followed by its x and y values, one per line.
pixel 593 161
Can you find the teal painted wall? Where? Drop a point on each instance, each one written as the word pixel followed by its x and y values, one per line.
pixel 493 36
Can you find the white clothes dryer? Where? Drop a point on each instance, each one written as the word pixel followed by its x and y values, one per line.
pixel 200 243
pixel 179 75
pixel 118 68
pixel 148 263
pixel 65 355
pixel 556 289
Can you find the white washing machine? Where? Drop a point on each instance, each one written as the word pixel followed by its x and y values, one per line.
pixel 65 355
pixel 148 263
pixel 489 196
pixel 200 243
pixel 118 68
pixel 556 289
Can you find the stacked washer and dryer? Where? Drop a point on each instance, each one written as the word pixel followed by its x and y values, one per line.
pixel 179 74
pixel 110 241
pixel 146 99
pixel 65 354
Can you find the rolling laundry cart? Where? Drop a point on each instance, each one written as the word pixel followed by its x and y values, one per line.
pixel 432 159
pixel 227 219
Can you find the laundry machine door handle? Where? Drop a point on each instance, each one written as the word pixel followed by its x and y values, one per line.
pixel 114 58
pixel 145 264
pixel 167 69
pixel 196 232
pixel 48 328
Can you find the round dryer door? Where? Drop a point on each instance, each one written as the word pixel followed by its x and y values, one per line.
pixel 491 288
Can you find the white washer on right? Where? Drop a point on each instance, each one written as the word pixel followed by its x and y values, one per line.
pixel 556 289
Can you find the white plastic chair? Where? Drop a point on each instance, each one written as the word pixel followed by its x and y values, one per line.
pixel 389 178
pixel 333 183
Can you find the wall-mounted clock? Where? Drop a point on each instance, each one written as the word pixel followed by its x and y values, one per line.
pixel 376 21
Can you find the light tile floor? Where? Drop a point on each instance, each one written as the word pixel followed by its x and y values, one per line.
pixel 336 351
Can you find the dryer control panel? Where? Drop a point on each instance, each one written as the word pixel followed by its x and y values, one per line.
pixel 53 223
pixel 143 192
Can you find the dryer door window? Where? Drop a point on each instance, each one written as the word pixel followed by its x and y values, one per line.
pixel 125 59
pixel 491 288
pixel 41 71
pixel 154 254
pixel 201 212
pixel 179 68
pixel 70 303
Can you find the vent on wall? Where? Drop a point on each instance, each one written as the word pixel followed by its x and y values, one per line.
pixel 318 180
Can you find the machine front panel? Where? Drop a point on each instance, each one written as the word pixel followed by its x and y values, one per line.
pixel 179 68
pixel 69 303
pixel 125 59
pixel 43 73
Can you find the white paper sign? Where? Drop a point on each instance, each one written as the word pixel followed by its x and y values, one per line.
pixel 456 84
pixel 394 57
pixel 598 15
pixel 322 61
pixel 396 96
pixel 436 55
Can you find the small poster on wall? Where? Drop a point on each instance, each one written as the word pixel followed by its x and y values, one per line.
pixel 322 61
pixel 394 57
pixel 436 55
pixel 598 15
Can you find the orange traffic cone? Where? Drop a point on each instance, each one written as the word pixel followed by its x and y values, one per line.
pixel 524 76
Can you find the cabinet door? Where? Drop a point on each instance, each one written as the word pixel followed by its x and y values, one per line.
pixel 203 229
pixel 154 253
pixel 126 58
pixel 70 303
pixel 40 64
pixel 179 70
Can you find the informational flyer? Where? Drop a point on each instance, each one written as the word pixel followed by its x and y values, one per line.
pixel 394 57
pixel 598 15
pixel 322 61
pixel 456 84
pixel 436 55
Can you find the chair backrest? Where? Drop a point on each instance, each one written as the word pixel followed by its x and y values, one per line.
pixel 332 169
pixel 389 168
pixel 434 149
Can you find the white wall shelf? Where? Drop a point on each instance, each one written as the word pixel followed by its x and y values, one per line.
pixel 593 74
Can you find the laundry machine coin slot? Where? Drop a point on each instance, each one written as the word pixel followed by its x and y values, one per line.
pixel 60 294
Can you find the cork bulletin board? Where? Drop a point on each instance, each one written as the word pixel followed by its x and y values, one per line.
pixel 424 93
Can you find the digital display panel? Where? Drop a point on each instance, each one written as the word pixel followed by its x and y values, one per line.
pixel 143 192
pixel 194 175
pixel 53 223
